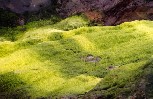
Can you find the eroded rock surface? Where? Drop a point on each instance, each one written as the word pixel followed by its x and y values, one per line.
pixel 110 12
pixel 113 11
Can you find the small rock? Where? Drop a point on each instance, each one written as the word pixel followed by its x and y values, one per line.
pixel 111 67
pixel 89 58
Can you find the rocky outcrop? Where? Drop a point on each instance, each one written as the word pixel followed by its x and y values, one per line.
pixel 113 11
pixel 108 12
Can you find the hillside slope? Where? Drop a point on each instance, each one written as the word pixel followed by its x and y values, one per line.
pixel 69 59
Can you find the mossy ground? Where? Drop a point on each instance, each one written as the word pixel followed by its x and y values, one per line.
pixel 45 60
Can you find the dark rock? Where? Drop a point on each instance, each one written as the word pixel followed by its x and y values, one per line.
pixel 107 12
pixel 111 67
pixel 69 97
pixel 113 12
pixel 91 58
pixel 20 6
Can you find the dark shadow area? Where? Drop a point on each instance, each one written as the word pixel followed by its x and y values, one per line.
pixel 7 18
pixel 68 57
pixel 149 81
pixel 141 87
pixel 149 89
pixel 12 11
pixel 12 87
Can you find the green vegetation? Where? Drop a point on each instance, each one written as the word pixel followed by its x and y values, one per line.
pixel 46 59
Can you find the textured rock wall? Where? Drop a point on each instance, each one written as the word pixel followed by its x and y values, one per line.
pixel 111 12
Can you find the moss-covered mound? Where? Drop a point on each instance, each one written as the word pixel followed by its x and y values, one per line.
pixel 68 58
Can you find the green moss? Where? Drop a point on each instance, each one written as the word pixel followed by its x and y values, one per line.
pixel 72 23
pixel 51 60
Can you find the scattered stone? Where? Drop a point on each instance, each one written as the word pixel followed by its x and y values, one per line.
pixel 69 97
pixel 91 58
pixel 111 67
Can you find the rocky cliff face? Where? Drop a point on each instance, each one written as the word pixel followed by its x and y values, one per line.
pixel 109 12
pixel 113 11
